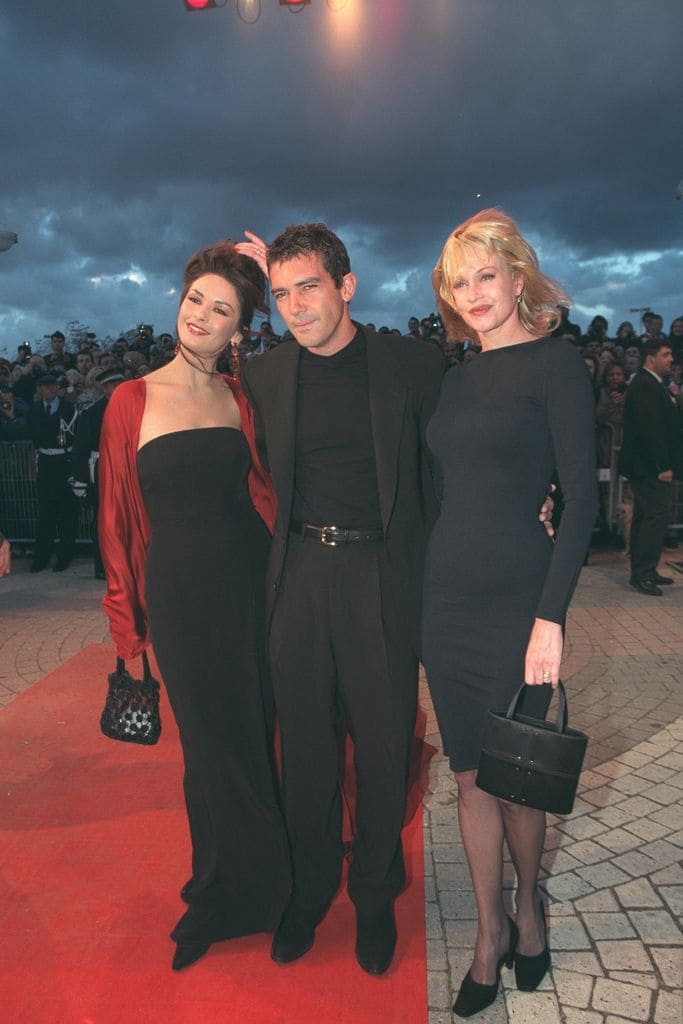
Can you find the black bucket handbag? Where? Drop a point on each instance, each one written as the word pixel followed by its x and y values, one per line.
pixel 531 761
pixel 131 709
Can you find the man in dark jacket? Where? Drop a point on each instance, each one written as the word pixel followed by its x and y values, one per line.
pixel 650 458
pixel 51 422
pixel 341 414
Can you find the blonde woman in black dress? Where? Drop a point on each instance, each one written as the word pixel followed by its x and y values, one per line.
pixel 494 613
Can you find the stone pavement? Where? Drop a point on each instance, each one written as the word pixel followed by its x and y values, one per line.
pixel 613 870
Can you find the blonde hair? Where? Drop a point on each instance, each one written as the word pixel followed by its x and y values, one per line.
pixel 497 233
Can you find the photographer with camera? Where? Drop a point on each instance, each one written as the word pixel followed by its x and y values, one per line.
pixel 51 422
pixel 12 423
pixel 24 353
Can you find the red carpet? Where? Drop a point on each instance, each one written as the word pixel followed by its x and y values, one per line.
pixel 93 852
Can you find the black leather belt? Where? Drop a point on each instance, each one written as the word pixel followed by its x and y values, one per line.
pixel 334 535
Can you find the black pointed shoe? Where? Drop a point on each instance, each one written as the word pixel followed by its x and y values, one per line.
pixel 187 953
pixel 530 970
pixel 375 940
pixel 474 997
pixel 294 936
pixel 645 586
pixel 662 581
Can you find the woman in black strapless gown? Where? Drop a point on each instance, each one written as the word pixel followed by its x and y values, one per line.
pixel 183 517
pixel 496 588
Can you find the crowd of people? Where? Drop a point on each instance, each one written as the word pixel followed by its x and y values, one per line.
pixel 74 379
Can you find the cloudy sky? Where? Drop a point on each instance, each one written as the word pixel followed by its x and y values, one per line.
pixel 132 132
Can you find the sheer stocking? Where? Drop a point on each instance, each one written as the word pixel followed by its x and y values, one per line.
pixel 481 827
pixel 525 835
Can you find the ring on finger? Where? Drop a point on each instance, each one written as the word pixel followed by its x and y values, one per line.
pixel 546 676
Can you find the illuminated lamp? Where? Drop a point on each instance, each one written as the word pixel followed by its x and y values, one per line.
pixel 294 3
pixel 199 5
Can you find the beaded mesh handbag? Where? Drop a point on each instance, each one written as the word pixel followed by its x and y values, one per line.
pixel 131 710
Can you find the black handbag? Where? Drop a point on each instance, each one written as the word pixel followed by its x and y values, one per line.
pixel 530 761
pixel 131 710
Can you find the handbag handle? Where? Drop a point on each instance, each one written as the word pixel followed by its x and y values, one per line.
pixel 560 721
pixel 146 672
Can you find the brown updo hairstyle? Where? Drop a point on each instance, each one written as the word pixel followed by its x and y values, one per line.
pixel 243 273
pixel 495 232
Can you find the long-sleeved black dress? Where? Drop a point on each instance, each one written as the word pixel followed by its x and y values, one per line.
pixel 505 423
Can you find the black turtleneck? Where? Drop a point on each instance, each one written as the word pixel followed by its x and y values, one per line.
pixel 335 482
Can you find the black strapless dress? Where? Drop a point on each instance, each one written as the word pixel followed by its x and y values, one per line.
pixel 205 589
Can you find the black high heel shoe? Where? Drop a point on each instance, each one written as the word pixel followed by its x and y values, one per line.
pixel 473 997
pixel 530 970
pixel 187 953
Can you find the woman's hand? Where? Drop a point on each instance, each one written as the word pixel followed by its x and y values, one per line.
pixel 256 248
pixel 544 654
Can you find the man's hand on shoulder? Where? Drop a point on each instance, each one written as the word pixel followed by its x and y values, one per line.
pixel 546 513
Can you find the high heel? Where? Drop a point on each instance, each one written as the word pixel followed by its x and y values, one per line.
pixel 187 953
pixel 473 997
pixel 530 970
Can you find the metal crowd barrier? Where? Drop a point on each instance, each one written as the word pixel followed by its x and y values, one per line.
pixel 19 502
pixel 616 485
pixel 19 499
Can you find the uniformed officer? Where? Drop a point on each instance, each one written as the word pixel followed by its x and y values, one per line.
pixel 51 422
pixel 86 452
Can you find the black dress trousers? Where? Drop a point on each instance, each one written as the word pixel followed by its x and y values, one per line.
pixel 57 509
pixel 339 658
pixel 648 529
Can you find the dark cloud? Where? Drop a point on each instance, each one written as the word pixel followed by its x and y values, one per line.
pixel 137 132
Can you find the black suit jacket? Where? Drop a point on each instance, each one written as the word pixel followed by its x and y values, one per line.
pixel 404 377
pixel 651 443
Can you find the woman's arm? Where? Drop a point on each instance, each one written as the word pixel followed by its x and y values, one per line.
pixel 571 421
pixel 122 523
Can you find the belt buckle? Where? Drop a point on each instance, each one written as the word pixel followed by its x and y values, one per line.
pixel 325 536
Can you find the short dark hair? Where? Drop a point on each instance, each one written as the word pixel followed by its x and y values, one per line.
pixel 310 239
pixel 652 346
pixel 243 273
pixel 57 334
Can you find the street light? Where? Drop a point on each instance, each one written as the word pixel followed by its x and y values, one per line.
pixel 7 240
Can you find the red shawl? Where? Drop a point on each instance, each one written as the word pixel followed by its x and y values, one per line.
pixel 123 524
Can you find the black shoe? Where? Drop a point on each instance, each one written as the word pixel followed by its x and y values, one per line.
pixel 37 566
pixel 187 953
pixel 530 970
pixel 61 564
pixel 662 581
pixel 186 890
pixel 375 939
pixel 473 997
pixel 294 936
pixel 646 586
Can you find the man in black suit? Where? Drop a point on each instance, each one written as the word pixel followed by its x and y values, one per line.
pixel 51 422
pixel 650 457
pixel 341 414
